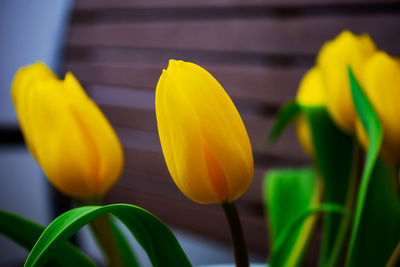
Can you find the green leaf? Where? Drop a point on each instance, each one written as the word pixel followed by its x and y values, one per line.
pixel 295 223
pixel 375 198
pixel 370 122
pixel 379 225
pixel 336 158
pixel 373 128
pixel 289 193
pixel 156 239
pixel 128 257
pixel 25 233
pixel 286 114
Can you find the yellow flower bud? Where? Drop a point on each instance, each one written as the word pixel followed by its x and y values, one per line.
pixel 381 83
pixel 311 93
pixel 66 132
pixel 334 57
pixel 204 141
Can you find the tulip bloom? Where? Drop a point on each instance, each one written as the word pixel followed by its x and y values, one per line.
pixel 333 59
pixel 66 132
pixel 311 93
pixel 381 83
pixel 205 144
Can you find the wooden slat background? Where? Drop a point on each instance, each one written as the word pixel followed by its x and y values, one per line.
pixel 257 49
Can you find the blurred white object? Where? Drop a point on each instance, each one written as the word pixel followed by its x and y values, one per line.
pixel 30 31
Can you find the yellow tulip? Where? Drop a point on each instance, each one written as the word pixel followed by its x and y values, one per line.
pixel 345 50
pixel 311 93
pixel 66 132
pixel 205 144
pixel 381 83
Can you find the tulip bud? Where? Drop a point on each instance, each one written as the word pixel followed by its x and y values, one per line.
pixel 204 141
pixel 381 83
pixel 66 132
pixel 333 59
pixel 311 93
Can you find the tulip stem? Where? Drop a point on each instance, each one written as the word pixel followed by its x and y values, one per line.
pixel 102 230
pixel 237 236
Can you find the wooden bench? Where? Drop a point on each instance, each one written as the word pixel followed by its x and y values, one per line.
pixel 257 49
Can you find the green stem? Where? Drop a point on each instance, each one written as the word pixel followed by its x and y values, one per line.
pixel 291 227
pixel 101 228
pixel 395 257
pixel 344 227
pixel 362 194
pixel 238 241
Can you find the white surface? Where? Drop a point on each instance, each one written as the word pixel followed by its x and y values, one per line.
pixel 200 250
pixel 22 192
pixel 233 265
pixel 30 31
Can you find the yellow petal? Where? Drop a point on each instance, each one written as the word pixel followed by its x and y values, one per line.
pixel 311 90
pixel 303 132
pixel 311 93
pixel 22 95
pixel 381 83
pixel 345 50
pixel 73 142
pixel 98 134
pixel 204 141
pixel 181 144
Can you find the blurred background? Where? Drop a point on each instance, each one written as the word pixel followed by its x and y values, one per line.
pixel 257 49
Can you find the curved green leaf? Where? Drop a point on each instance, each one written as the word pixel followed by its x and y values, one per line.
pixel 156 239
pixel 378 229
pixel 286 114
pixel 373 128
pixel 287 194
pixel 296 222
pixel 394 260
pixel 336 157
pixel 25 233
pixel 128 257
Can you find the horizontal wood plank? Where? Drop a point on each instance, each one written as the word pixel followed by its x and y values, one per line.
pixel 133 113
pixel 260 84
pixel 202 219
pixel 163 185
pixel 147 58
pixel 272 36
pixel 286 148
pixel 147 170
pixel 257 49
pixel 138 129
pixel 152 163
pixel 106 4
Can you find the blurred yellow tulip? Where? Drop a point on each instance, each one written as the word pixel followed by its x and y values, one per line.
pixel 345 50
pixel 204 141
pixel 311 93
pixel 66 132
pixel 381 83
